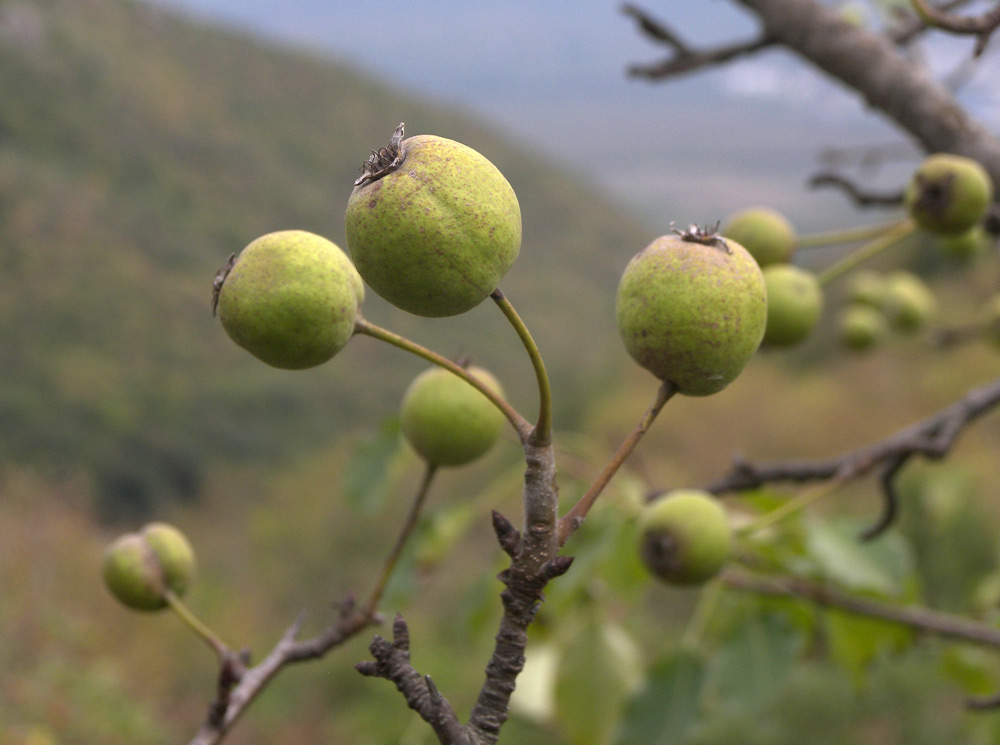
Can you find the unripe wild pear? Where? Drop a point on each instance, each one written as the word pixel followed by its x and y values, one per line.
pixel 691 309
pixel 446 420
pixel 909 303
pixel 794 304
pixel 684 537
pixel 867 288
pixel 861 326
pixel 764 232
pixel 432 225
pixel 964 246
pixel 139 568
pixel 291 299
pixel 948 194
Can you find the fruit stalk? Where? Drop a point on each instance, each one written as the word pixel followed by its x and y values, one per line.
pixel 199 628
pixel 520 424
pixel 575 517
pixel 888 239
pixel 542 433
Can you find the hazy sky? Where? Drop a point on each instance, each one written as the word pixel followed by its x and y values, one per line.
pixel 553 74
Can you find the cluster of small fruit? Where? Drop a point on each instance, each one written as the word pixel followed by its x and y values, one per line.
pixel 947 198
pixel 433 226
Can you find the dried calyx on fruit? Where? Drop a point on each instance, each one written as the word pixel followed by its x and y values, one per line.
pixel 691 308
pixel 684 537
pixel 948 194
pixel 432 225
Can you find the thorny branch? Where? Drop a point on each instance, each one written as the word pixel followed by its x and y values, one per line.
pixel 239 685
pixel 931 437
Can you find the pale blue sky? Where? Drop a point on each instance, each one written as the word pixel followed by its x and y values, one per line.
pixel 553 75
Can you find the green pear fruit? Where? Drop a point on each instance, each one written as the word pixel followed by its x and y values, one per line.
pixel 867 288
pixel 861 327
pixel 174 553
pixel 685 537
pixel 435 232
pixel 964 246
pixel 764 232
pixel 948 194
pixel 692 312
pixel 446 420
pixel 794 304
pixel 139 568
pixel 909 303
pixel 291 299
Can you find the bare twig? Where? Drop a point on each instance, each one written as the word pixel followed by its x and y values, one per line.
pixel 932 437
pixel 920 618
pixel 234 697
pixel 859 196
pixel 981 26
pixel 576 515
pixel 684 58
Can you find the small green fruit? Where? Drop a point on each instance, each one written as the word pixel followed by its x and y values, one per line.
pixel 435 234
pixel 692 313
pixel 964 246
pixel 909 303
pixel 764 232
pixel 861 327
pixel 794 304
pixel 446 420
pixel 139 568
pixel 948 194
pixel 867 288
pixel 291 299
pixel 685 537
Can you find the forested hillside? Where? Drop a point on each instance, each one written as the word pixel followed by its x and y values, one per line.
pixel 137 151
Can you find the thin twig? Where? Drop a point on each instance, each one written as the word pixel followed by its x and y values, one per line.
pixel 921 618
pixel 572 520
pixel 684 58
pixel 981 26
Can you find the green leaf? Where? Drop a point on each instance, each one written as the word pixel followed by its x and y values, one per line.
pixel 667 706
pixel 882 566
pixel 598 671
pixel 855 641
pixel 366 475
pixel 752 666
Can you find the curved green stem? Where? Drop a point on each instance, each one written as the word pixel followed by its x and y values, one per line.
pixel 869 250
pixel 521 426
pixel 199 628
pixel 542 433
pixel 404 534
pixel 573 519
pixel 835 237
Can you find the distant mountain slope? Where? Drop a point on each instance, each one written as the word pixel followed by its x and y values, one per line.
pixel 137 151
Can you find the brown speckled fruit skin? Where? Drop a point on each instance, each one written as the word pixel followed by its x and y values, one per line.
pixel 692 314
pixel 435 236
pixel 291 299
pixel 948 194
